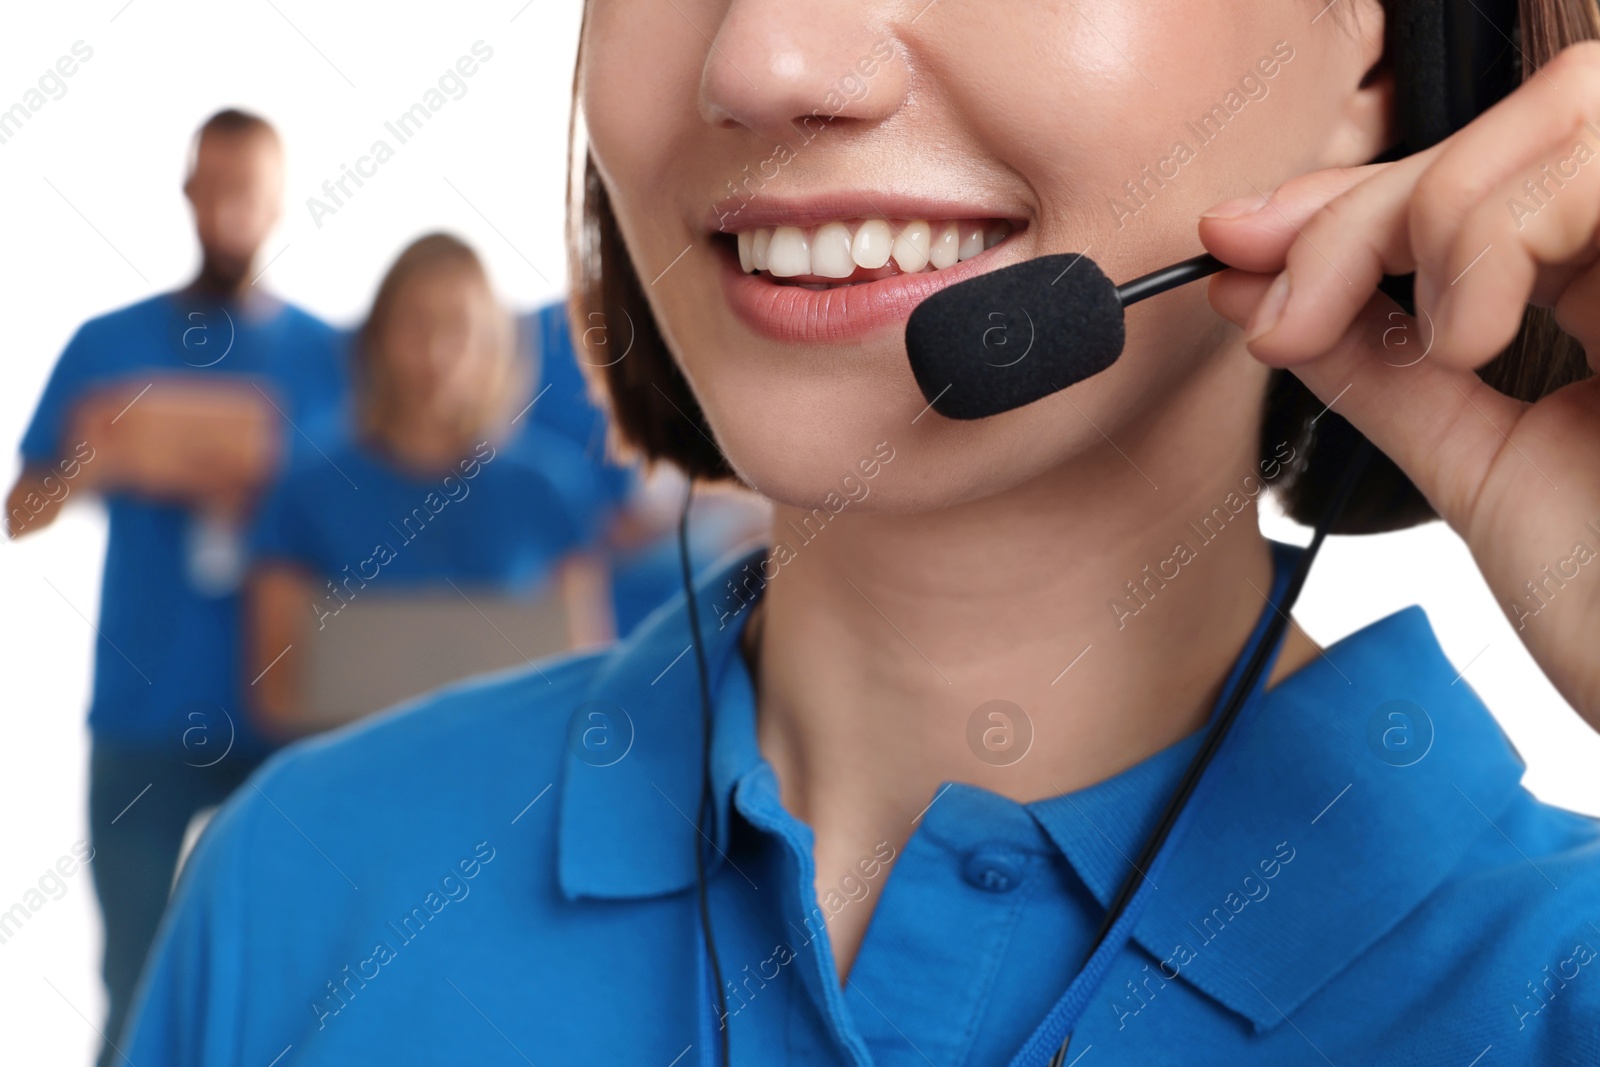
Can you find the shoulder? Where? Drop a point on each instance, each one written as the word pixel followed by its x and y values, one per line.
pixel 298 318
pixel 1515 918
pixel 315 350
pixel 383 802
pixel 114 325
pixel 340 850
pixel 1432 891
pixel 1524 905
pixel 1506 949
pixel 468 746
pixel 322 480
pixel 114 344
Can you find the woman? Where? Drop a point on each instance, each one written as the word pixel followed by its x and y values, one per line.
pixel 935 748
pixel 446 482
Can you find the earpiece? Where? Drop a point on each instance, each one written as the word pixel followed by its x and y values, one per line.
pixel 1460 58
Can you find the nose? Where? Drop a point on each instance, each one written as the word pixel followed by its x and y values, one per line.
pixel 446 347
pixel 782 70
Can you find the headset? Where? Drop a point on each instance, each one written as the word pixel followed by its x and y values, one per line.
pixel 1452 60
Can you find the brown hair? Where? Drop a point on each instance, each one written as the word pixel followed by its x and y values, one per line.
pixel 433 253
pixel 230 122
pixel 233 120
pixel 655 413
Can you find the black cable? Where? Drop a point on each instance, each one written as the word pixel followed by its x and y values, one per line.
pixel 1230 711
pixel 707 808
pixel 1192 774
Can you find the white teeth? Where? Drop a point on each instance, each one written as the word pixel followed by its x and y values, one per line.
pixel 872 245
pixel 830 251
pixel 758 249
pixel 836 250
pixel 946 244
pixel 911 247
pixel 971 240
pixel 789 254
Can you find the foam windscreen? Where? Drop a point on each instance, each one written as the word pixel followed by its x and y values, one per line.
pixel 1014 335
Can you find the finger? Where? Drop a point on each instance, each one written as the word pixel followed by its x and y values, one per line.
pixel 1335 263
pixel 1235 294
pixel 1329 267
pixel 1254 232
pixel 1524 240
pixel 1441 424
pixel 1578 313
pixel 1501 143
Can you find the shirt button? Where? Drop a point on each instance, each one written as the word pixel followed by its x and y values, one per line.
pixel 993 871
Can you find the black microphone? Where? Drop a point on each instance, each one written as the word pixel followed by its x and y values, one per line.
pixel 1018 334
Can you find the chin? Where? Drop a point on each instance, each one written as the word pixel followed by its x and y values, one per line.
pixel 858 450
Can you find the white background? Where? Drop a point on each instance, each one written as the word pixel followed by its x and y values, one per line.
pixel 94 219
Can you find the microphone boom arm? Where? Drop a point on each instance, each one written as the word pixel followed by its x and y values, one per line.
pixel 1159 281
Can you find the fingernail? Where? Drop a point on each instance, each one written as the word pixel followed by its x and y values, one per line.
pixel 1233 209
pixel 1270 309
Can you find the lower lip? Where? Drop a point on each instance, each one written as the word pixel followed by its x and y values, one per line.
pixel 796 315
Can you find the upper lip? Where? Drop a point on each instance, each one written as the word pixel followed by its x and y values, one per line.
pixel 733 214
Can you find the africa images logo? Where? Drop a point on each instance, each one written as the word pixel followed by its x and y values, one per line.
pixel 207 338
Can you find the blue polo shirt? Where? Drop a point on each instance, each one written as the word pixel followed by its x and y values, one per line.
pixel 503 873
pixel 563 403
pixel 501 517
pixel 168 643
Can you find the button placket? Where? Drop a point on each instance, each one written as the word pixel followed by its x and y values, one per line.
pixel 994 869
pixel 952 903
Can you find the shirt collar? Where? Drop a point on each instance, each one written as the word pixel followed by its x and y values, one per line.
pixel 1374 768
pixel 1348 799
pixel 627 827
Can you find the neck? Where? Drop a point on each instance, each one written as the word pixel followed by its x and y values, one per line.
pixel 217 284
pixel 425 446
pixel 881 636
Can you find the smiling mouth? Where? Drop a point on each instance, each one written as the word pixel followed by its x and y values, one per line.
pixel 835 255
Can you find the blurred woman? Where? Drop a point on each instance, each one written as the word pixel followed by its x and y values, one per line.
pixel 443 481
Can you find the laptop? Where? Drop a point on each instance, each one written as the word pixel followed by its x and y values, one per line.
pixel 383 649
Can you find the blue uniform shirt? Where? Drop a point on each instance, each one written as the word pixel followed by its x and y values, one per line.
pixel 168 645
pixel 500 518
pixel 562 402
pixel 503 873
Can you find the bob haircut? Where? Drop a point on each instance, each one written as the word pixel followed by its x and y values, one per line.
pixel 655 413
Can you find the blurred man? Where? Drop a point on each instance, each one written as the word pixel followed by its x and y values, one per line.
pixel 177 411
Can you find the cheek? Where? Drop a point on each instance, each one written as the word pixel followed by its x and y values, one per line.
pixel 404 361
pixel 638 94
pixel 1091 108
pixel 264 213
